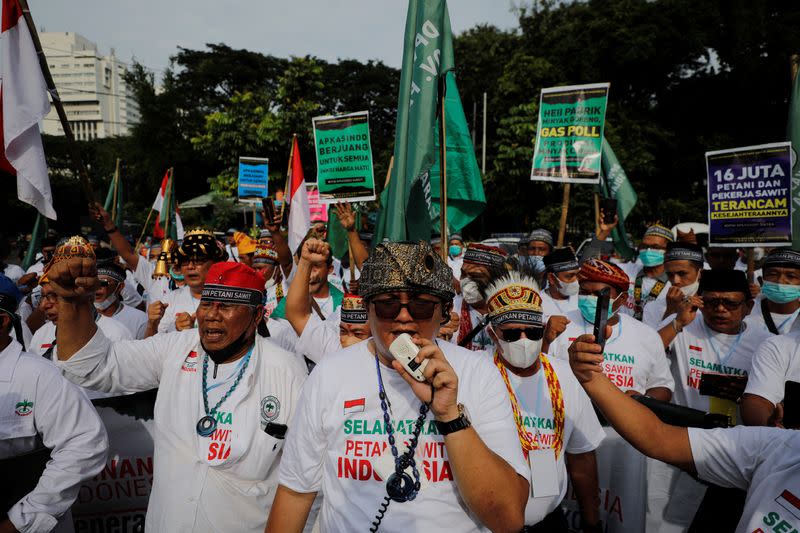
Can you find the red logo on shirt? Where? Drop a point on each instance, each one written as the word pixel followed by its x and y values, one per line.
pixel 695 348
pixel 573 339
pixel 354 406
pixel 790 502
pixel 190 363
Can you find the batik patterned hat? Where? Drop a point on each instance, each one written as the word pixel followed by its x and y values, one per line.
pixel 405 267
pixel 75 246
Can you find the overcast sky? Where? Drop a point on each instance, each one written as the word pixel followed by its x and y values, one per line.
pixel 151 30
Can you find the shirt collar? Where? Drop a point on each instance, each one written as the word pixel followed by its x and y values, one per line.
pixel 8 360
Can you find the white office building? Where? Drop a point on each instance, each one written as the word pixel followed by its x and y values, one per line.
pixel 96 99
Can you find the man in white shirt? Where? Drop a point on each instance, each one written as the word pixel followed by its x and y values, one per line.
pixel 777 307
pixel 43 341
pixel 470 305
pixel 230 245
pixel 775 362
pixel 682 263
pixel 318 337
pixel 108 300
pixel 648 279
pixel 715 341
pixel 635 359
pixel 266 263
pixel 765 462
pixel 48 246
pixel 360 410
pixel 560 295
pixel 224 398
pixel 198 251
pixel 51 438
pixel 556 424
pixel 455 254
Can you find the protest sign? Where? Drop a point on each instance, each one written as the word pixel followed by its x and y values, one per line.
pixel 253 177
pixel 344 158
pixel 116 498
pixel 569 133
pixel 317 211
pixel 749 193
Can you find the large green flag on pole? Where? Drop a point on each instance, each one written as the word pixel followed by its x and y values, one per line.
pixel 465 196
pixel 406 209
pixel 615 184
pixel 793 134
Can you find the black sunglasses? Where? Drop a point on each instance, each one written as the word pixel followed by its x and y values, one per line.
pixel 418 309
pixel 730 305
pixel 533 333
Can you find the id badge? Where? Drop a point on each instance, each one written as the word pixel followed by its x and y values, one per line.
pixel 544 473
pixel 383 465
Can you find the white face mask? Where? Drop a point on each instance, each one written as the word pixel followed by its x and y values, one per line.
pixel 470 291
pixel 105 304
pixel 521 353
pixel 691 289
pixel 568 289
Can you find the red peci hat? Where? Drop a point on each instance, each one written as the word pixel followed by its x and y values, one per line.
pixel 233 283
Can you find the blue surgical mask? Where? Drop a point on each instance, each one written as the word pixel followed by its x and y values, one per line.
pixel 587 304
pixel 454 250
pixel 780 293
pixel 651 258
pixel 536 262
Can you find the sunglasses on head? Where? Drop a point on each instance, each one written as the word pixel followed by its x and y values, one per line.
pixel 533 333
pixel 388 309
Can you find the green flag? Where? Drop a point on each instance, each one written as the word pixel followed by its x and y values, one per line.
pixel 406 209
pixel 39 227
pixel 113 203
pixel 793 134
pixel 614 184
pixel 465 197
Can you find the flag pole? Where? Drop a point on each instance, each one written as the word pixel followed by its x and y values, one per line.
pixel 114 194
pixel 167 199
pixel 389 172
pixel 288 177
pixel 443 168
pixel 144 228
pixel 562 227
pixel 75 153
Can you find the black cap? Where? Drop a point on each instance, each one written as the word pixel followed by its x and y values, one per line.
pixel 724 280
pixel 561 260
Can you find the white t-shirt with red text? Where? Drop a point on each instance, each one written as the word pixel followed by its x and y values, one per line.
pixel 763 461
pixel 634 354
pixel 582 431
pixel 338 432
pixel 698 349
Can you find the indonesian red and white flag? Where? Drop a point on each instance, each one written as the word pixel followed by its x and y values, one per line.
pixel 299 214
pixel 158 205
pixel 23 104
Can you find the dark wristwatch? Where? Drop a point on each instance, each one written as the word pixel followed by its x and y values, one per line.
pixel 457 424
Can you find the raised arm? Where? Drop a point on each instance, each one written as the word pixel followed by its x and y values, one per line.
pixel 635 422
pixel 85 355
pixel 298 300
pixel 347 218
pixel 281 245
pixel 118 241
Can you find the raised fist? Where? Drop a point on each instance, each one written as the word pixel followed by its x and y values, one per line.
pixel 74 279
pixel 155 311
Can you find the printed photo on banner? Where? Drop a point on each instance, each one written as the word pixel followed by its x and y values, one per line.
pixel 569 133
pixel 344 158
pixel 749 195
pixel 253 177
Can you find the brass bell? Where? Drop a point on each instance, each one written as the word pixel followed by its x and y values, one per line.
pixel 162 267
pixel 165 259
